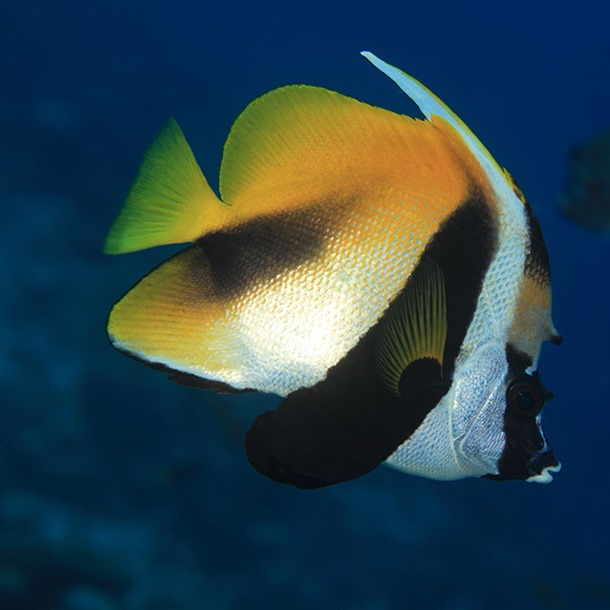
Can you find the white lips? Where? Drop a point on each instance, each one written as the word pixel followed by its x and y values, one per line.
pixel 545 476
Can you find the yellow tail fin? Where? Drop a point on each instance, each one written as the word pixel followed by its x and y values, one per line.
pixel 170 201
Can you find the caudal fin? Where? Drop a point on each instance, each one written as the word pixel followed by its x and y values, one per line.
pixel 170 201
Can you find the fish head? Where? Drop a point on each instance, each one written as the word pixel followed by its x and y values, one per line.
pixel 495 406
pixel 488 421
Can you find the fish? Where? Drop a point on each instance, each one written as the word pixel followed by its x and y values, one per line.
pixel 586 196
pixel 380 273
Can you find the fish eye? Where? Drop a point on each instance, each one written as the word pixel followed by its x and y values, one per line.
pixel 526 396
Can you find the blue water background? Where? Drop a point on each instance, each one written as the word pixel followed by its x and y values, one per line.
pixel 121 490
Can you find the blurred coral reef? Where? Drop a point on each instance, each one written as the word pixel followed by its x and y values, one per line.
pixel 586 197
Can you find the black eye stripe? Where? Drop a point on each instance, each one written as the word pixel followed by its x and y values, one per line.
pixel 526 451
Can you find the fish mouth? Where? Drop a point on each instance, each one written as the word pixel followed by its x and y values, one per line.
pixel 541 467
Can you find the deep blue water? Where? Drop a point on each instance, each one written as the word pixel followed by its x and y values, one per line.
pixel 122 490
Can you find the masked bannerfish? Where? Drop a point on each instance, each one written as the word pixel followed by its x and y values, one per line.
pixel 381 273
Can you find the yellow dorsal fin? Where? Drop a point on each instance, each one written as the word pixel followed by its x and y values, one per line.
pixel 300 145
pixel 170 201
pixel 296 139
pixel 415 326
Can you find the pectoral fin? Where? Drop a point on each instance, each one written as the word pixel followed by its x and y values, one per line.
pixel 415 327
